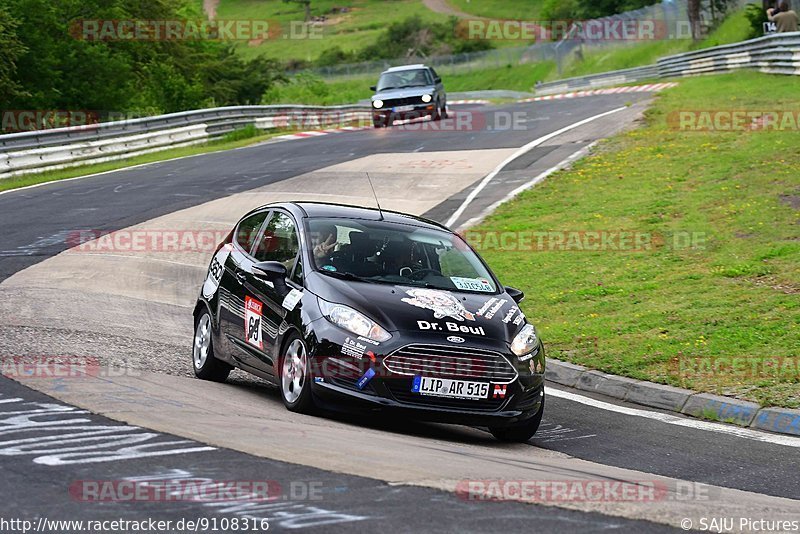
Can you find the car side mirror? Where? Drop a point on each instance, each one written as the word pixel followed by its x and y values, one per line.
pixel 373 88
pixel 515 294
pixel 273 272
pixel 437 79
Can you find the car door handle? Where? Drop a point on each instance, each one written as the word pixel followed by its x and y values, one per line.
pixel 241 277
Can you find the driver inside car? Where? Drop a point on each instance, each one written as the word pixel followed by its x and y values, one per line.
pixel 324 242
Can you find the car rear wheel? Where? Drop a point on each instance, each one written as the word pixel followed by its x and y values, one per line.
pixel 295 377
pixel 206 365
pixel 522 432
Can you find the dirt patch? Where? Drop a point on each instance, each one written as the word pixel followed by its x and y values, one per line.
pixel 442 6
pixel 791 200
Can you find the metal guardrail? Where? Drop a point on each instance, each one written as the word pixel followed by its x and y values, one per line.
pixel 604 79
pixel 772 54
pixel 43 150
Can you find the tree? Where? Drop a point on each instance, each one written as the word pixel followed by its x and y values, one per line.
pixel 46 63
pixel 306 7
pixel 11 48
pixel 694 18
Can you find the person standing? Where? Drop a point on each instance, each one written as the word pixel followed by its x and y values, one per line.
pixel 785 19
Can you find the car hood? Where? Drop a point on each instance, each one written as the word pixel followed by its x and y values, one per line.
pixel 407 92
pixel 431 311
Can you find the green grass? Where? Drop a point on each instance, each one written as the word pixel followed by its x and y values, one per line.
pixel 500 9
pixel 733 29
pixel 616 58
pixel 514 78
pixel 236 139
pixel 649 314
pixel 313 91
pixel 351 31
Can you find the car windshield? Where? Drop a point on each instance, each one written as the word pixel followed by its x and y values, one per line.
pixel 394 253
pixel 403 78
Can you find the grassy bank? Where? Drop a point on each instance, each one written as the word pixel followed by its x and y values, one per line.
pixel 512 77
pixel 733 29
pixel 714 303
pixel 318 92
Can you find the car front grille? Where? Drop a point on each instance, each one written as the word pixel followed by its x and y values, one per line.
pixel 407 101
pixel 451 362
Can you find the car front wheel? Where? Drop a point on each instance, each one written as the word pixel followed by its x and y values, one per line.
pixel 437 112
pixel 522 432
pixel 295 377
pixel 206 365
pixel 380 121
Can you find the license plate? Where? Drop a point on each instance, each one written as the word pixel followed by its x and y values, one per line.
pixel 403 108
pixel 444 387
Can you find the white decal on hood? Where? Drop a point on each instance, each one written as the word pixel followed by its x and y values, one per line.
pixel 440 303
pixel 495 309
pixel 510 315
pixel 486 305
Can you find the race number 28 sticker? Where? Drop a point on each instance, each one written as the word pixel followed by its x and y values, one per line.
pixel 252 322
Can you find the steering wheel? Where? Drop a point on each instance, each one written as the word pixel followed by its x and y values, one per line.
pixel 422 273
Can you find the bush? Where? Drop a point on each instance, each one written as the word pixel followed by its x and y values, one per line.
pixel 247 132
pixel 757 17
pixel 334 56
pixel 414 37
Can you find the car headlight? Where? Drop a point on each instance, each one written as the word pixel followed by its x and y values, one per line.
pixel 525 342
pixel 377 104
pixel 427 98
pixel 356 322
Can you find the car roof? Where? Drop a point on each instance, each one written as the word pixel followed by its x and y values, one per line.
pixel 316 210
pixel 406 67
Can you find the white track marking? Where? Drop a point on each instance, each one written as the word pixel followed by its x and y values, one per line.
pixel 522 151
pixel 541 176
pixel 696 424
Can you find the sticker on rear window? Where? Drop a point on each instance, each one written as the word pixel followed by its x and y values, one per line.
pixel 472 284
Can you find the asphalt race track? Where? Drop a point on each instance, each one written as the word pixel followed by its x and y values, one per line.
pixel 338 473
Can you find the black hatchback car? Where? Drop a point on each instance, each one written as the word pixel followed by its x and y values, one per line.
pixel 408 92
pixel 350 307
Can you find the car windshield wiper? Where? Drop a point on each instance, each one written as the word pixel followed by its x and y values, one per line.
pixel 344 275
